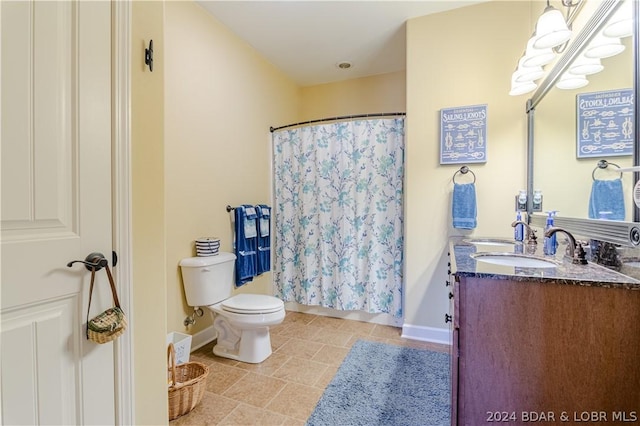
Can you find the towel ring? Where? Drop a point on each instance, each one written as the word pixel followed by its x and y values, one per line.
pixel 603 164
pixel 464 170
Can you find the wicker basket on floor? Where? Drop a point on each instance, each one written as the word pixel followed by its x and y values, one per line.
pixel 187 383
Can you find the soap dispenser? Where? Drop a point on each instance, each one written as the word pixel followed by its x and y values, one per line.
pixel 550 243
pixel 518 229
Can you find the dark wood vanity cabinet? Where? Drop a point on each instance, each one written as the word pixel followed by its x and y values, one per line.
pixel 535 352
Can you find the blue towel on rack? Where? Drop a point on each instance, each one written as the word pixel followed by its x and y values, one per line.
pixel 607 200
pixel 463 206
pixel 264 238
pixel 246 247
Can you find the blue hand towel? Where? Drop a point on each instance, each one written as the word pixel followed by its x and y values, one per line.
pixel 264 238
pixel 607 200
pixel 464 210
pixel 246 244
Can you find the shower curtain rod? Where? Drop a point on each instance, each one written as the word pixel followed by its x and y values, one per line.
pixel 344 117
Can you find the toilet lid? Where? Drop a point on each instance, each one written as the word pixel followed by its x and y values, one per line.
pixel 252 304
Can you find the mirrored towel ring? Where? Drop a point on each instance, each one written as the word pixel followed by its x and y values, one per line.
pixel 603 164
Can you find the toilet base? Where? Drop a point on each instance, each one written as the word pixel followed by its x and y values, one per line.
pixel 244 338
pixel 253 346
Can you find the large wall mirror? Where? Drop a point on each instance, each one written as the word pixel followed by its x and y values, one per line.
pixel 579 136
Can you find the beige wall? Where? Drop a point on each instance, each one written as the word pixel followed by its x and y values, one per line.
pixel 379 93
pixel 148 221
pixel 457 58
pixel 193 124
pixel 221 97
pixel 200 141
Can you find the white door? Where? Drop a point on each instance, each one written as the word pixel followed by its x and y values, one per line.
pixel 56 207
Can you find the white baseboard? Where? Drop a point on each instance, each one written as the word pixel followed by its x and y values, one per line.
pixel 414 332
pixel 382 319
pixel 427 334
pixel 203 337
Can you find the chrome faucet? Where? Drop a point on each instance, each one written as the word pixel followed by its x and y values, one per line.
pixel 576 252
pixel 531 233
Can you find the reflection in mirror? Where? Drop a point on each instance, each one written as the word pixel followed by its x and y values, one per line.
pixel 575 129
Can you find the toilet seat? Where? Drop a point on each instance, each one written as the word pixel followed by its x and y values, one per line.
pixel 252 304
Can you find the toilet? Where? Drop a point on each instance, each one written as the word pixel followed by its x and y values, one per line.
pixel 242 321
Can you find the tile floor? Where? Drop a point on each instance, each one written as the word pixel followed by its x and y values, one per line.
pixel 284 389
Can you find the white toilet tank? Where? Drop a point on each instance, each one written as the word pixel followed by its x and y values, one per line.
pixel 208 279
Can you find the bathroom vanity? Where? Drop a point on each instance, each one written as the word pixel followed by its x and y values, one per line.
pixel 556 344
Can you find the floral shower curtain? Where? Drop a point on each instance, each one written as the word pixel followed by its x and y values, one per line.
pixel 339 215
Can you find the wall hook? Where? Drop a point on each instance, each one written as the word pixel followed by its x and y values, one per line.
pixel 148 56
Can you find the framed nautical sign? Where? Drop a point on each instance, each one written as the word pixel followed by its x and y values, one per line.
pixel 463 134
pixel 605 123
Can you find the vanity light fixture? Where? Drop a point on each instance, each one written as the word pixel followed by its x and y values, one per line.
pixel 569 81
pixel 603 47
pixel 521 88
pixel 523 73
pixel 605 44
pixel 586 66
pixel 537 57
pixel 551 29
pixel 621 23
pixel 552 32
pixel 522 79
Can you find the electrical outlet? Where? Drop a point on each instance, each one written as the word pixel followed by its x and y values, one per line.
pixel 521 202
pixel 536 202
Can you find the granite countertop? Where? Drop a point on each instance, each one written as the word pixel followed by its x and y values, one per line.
pixel 565 272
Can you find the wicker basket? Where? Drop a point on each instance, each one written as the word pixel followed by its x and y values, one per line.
pixel 187 384
pixel 101 328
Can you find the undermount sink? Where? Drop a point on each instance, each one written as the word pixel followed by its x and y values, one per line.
pixel 489 242
pixel 514 259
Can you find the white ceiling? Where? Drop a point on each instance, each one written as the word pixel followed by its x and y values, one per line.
pixel 307 38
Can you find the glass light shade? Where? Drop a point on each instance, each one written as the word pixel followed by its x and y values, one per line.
pixel 521 88
pixel 621 28
pixel 603 47
pixel 586 66
pixel 621 23
pixel 571 81
pixel 551 29
pixel 524 73
pixel 537 57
